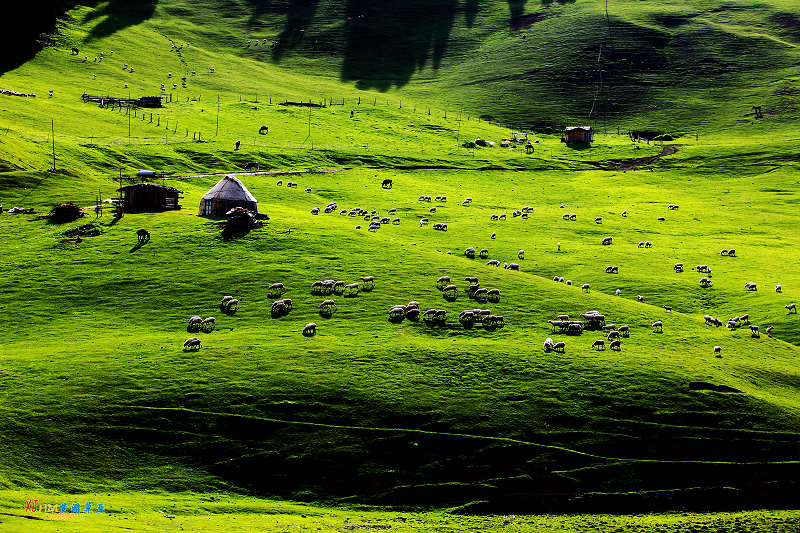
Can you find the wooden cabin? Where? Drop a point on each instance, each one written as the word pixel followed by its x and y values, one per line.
pixel 578 134
pixel 228 193
pixel 150 197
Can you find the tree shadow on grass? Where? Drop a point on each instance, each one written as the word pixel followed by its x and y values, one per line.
pixel 119 15
pixel 388 41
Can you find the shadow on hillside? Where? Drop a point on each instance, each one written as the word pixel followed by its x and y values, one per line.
pixel 119 15
pixel 299 14
pixel 24 28
pixel 388 41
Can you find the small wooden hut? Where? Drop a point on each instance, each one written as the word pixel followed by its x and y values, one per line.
pixel 228 193
pixel 150 197
pixel 578 134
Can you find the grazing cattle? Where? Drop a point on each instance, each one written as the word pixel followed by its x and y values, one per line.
pixel 731 253
pixel 192 344
pixel 724 251
pixel 625 213
pixel 387 184
pixel 143 236
pixel 678 267
pixel 612 269
pixel 769 330
pixel 560 347
pixel 705 282
pixel 252 165
pixel 667 307
pixel 599 344
pixel 658 326
pixel 616 345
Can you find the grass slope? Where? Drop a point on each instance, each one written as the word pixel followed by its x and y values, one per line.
pixel 97 394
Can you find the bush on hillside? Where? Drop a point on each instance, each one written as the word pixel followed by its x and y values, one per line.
pixel 63 213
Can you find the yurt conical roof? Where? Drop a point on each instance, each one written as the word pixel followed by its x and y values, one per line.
pixel 230 188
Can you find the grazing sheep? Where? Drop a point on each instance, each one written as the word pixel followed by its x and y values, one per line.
pixel 702 268
pixel 450 292
pixel 658 326
pixel 278 309
pixel 423 221
pixel 717 350
pixel 648 244
pixel 470 252
pixel 521 254
pixel 467 318
pixel 560 347
pixel 661 219
pixel 484 253
pixel 607 241
pixel 350 290
pixel 731 253
pixel 231 307
pixel 565 216
pixel 396 221
pixel 745 318
pixel 724 251
pixel 494 235
pixel 705 282
pixel 615 345
pixel 568 282
pixel 778 288
pixel 367 283
pixel 494 216
pixel 310 329
pixel 754 331
pixel 308 189
pixel 192 344
pixel 769 330
pixel 493 262
pixel 791 307
pixel 618 292
pixel 678 267
pixel 397 314
pixel 502 217
pixel 600 344
pixel 276 290
pixel 480 295
pixel 598 220
pixel 573 217
pixel 494 295
pixel 195 323
pixel 750 286
pixel 548 345
pixel 513 266
pixel 473 281
pixel 209 324
pixel 640 245
pixel 624 331
pixel 432 210
pixel 625 213
pixel 639 298
pixel 585 287
pixel 612 269
pixel 667 307
pixel 613 335
pixel 412 313
pixel 442 282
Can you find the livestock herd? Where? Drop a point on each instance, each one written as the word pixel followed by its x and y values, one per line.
pixel 469 318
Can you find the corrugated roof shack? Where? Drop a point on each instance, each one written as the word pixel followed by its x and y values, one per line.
pixel 228 193
pixel 150 197
pixel 578 134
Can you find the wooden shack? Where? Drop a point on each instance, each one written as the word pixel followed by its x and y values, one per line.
pixel 228 193
pixel 150 197
pixel 578 134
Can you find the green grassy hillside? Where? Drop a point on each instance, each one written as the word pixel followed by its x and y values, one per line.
pixel 97 394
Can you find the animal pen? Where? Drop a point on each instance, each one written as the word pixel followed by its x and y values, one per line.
pixel 142 197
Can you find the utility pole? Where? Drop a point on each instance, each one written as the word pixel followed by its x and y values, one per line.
pixel 458 132
pixel 53 135
pixel 217 133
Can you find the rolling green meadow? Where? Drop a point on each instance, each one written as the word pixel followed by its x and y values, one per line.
pixel 371 424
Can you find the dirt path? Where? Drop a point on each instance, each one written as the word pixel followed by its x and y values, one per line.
pixel 257 173
pixel 633 164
